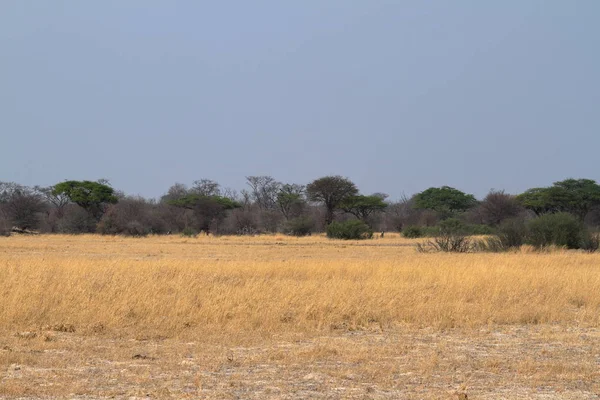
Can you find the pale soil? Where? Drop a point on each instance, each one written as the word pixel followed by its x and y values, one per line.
pixel 528 362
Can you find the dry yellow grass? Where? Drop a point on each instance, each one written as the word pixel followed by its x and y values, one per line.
pixel 276 284
pixel 344 309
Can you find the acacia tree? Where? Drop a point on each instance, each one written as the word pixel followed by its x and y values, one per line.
pixel 59 201
pixel 290 200
pixel 575 196
pixel 363 206
pixel 446 201
pixel 91 196
pixel 207 209
pixel 331 191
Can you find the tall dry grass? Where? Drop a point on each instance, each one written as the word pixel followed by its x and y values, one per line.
pixel 173 286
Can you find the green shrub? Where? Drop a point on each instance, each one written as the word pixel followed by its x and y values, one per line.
pixel 430 231
pixel 349 230
pixel 512 233
pixel 301 226
pixel 189 232
pixel 452 226
pixel 480 230
pixel 413 232
pixel 560 229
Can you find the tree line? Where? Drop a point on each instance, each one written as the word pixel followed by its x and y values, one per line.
pixel 268 206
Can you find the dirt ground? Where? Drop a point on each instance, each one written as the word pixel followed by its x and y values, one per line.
pixel 530 362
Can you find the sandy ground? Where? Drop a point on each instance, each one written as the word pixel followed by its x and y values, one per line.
pixel 530 362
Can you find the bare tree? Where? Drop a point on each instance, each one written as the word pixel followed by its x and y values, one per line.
pixel 231 194
pixel 21 205
pixel 175 192
pixel 246 199
pixel 264 191
pixel 499 206
pixel 403 213
pixel 206 187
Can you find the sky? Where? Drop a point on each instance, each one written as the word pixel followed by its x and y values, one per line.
pixel 398 96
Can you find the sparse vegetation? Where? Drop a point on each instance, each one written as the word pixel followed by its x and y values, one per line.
pixel 170 309
pixel 349 230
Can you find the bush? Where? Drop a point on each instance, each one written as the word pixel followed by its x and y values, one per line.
pixel 135 228
pixel 189 232
pixel 413 232
pixel 512 233
pixel 560 229
pixel 131 216
pixel 348 230
pixel 590 242
pixel 76 220
pixel 301 226
pixel 452 226
pixel 245 223
pixel 451 238
pixel 480 230
pixel 430 231
pixel 447 243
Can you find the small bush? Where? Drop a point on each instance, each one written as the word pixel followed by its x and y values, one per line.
pixel 447 244
pixel 560 229
pixel 349 230
pixel 480 230
pixel 76 220
pixel 301 226
pixel 590 242
pixel 512 233
pixel 452 238
pixel 430 231
pixel 452 226
pixel 413 232
pixel 189 232
pixel 135 228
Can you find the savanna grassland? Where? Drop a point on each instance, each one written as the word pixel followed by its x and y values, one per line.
pixel 274 317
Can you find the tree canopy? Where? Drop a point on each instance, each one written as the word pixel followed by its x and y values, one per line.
pixel 363 206
pixel 290 199
pixel 575 196
pixel 445 200
pixel 206 209
pixel 89 195
pixel 331 191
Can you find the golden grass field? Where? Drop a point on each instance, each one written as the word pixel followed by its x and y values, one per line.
pixel 275 317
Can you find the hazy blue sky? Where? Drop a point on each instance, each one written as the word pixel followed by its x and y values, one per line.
pixel 396 95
